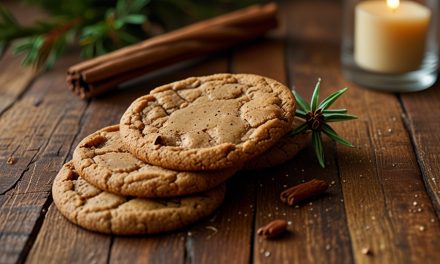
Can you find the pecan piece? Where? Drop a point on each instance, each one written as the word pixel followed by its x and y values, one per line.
pixel 303 191
pixel 273 229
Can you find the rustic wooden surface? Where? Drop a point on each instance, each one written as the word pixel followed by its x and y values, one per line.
pixel 384 195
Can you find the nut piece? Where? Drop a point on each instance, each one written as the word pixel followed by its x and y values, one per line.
pixel 11 160
pixel 303 191
pixel 273 229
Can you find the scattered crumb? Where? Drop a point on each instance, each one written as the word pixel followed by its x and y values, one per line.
pixel 289 222
pixel 332 183
pixel 421 228
pixel 432 220
pixel 414 203
pixel 189 234
pixel 327 247
pixel 366 251
pixel 212 228
pixel 416 195
pixel 373 217
pixel 267 253
pixel 11 160
pixel 390 130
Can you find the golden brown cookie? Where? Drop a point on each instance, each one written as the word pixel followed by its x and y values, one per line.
pixel 208 123
pixel 285 149
pixel 103 161
pixel 96 210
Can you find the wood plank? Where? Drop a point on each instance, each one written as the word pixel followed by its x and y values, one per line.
pixel 322 223
pixel 14 80
pixel 59 241
pixel 39 138
pixel 423 123
pixel 388 211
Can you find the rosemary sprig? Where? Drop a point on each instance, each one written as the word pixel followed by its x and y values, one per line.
pixel 316 117
pixel 99 26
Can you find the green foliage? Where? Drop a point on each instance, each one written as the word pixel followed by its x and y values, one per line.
pixel 316 117
pixel 100 26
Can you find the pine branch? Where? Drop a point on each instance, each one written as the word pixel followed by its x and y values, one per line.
pixel 96 28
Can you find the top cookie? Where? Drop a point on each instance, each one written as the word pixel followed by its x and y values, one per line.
pixel 208 123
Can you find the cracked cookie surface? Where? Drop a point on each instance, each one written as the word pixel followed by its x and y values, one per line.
pixel 96 210
pixel 285 149
pixel 208 123
pixel 103 160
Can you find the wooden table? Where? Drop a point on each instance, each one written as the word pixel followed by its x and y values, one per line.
pixel 383 205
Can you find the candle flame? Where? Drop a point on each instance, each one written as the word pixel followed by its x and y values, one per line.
pixel 393 4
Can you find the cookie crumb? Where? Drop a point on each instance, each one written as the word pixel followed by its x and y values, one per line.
pixel 11 160
pixel 267 253
pixel 366 251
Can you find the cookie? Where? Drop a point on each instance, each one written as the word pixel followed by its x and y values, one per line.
pixel 103 161
pixel 285 149
pixel 96 210
pixel 208 123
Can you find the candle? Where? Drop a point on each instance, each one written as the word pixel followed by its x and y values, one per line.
pixel 390 37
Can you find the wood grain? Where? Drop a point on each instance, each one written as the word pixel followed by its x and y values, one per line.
pixel 39 139
pixel 15 78
pixel 59 241
pixel 422 121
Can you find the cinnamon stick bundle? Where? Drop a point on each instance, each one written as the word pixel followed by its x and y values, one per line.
pixel 95 76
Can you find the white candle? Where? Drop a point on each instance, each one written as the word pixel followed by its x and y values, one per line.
pixel 390 37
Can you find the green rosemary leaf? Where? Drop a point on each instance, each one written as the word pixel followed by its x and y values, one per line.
pixel 134 19
pixel 338 117
pixel 302 104
pixel 299 129
pixel 300 113
pixel 317 145
pixel 315 96
pixel 331 99
pixel 333 135
pixel 334 111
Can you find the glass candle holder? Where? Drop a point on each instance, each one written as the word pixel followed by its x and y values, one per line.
pixel 391 45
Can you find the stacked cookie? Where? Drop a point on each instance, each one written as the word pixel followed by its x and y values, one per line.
pixel 165 164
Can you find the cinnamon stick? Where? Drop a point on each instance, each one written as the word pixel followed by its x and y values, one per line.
pixel 96 76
